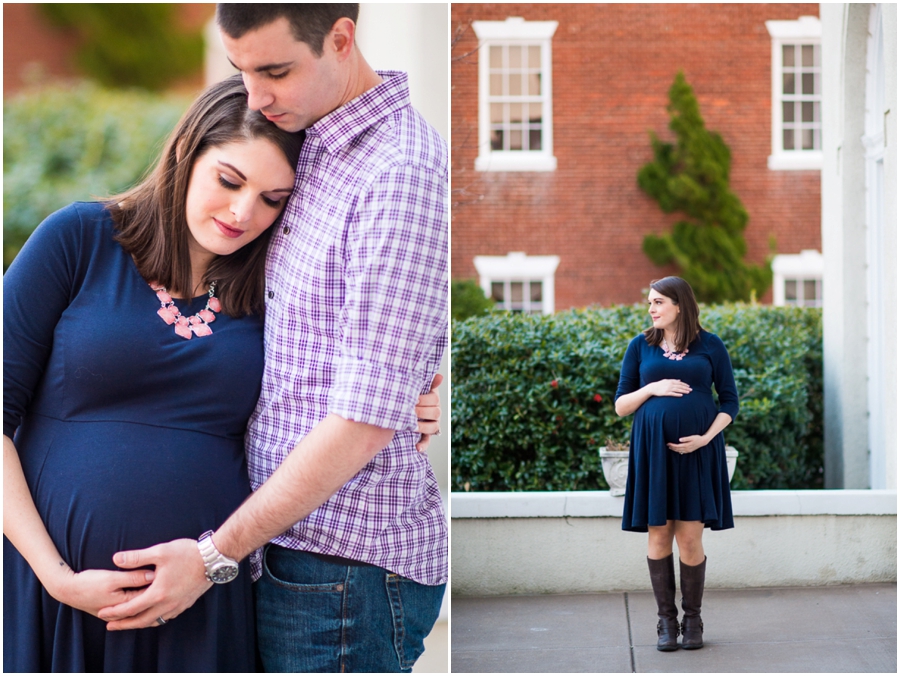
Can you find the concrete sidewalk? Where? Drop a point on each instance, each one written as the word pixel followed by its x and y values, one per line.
pixel 799 629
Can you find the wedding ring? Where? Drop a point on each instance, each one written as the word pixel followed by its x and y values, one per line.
pixel 160 621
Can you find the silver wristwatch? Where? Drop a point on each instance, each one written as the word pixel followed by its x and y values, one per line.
pixel 219 568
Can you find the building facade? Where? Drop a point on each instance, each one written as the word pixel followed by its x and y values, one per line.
pixel 551 106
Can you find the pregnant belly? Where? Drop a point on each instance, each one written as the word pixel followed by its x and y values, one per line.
pixel 103 487
pixel 678 416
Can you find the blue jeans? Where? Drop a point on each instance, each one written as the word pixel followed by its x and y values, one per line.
pixel 320 616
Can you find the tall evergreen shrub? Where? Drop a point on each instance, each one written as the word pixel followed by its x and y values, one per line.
pixel 691 176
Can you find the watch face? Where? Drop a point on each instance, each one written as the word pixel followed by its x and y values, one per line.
pixel 222 573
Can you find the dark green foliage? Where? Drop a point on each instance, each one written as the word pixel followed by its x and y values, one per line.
pixel 525 414
pixel 468 300
pixel 691 176
pixel 130 44
pixel 62 144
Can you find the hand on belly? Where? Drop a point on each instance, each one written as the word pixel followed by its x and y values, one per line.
pixel 688 444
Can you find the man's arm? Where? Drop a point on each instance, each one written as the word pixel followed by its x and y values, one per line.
pixel 326 459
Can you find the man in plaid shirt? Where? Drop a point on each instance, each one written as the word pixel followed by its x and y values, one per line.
pixel 356 324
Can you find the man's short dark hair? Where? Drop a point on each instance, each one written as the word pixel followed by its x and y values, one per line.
pixel 310 22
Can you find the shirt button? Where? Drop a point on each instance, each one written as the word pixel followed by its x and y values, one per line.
pixel 271 294
pixel 286 230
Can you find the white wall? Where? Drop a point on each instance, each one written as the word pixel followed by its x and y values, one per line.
pixel 539 543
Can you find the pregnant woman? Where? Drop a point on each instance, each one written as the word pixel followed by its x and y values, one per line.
pixel 133 354
pixel 677 476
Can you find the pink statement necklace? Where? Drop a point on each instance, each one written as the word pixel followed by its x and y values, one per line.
pixel 671 354
pixel 187 327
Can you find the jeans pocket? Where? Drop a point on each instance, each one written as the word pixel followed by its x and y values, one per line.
pixel 285 571
pixel 415 608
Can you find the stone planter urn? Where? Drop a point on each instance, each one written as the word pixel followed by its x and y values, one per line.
pixel 615 468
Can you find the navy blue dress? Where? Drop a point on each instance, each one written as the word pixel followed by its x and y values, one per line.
pixel 663 484
pixel 129 435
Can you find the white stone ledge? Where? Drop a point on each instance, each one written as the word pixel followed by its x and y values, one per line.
pixel 601 504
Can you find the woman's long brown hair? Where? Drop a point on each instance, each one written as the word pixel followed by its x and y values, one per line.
pixel 151 218
pixel 687 323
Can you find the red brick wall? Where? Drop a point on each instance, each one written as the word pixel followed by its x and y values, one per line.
pixel 612 67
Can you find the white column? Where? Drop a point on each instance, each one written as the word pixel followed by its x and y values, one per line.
pixel 844 33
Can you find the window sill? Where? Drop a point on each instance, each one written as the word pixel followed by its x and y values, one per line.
pixel 515 162
pixel 796 161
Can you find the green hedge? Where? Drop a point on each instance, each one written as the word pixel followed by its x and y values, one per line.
pixel 533 396
pixel 68 143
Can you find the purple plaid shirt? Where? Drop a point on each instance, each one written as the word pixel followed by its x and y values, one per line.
pixel 356 324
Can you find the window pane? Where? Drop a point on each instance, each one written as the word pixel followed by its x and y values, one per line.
pixel 515 57
pixel 788 139
pixel 497 291
pixel 496 139
pixel 787 111
pixel 534 139
pixel 496 85
pixel 515 291
pixel 536 292
pixel 809 291
pixel 515 112
pixel 817 138
pixel 497 112
pixel 515 139
pixel 790 290
pixel 807 114
pixel 807 139
pixel 787 83
pixel 808 58
pixel 534 84
pixel 809 86
pixel 497 57
pixel 515 84
pixel 535 112
pixel 534 56
pixel 787 56
pixel 816 52
pixel 816 108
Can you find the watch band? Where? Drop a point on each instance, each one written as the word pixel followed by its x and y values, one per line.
pixel 219 568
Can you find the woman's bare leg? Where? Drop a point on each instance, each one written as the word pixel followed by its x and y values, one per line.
pixel 659 544
pixel 689 536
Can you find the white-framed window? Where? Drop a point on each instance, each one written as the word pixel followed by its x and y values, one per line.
pixel 517 282
pixel 515 95
pixel 796 93
pixel 797 278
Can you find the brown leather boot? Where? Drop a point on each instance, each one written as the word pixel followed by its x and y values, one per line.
pixel 692 581
pixel 662 578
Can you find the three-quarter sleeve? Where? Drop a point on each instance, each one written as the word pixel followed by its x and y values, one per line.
pixel 630 376
pixel 37 288
pixel 723 377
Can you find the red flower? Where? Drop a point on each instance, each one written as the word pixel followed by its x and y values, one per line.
pixel 598 398
pixel 554 383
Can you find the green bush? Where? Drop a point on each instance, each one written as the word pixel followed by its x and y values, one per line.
pixel 130 44
pixel 68 143
pixel 467 299
pixel 533 396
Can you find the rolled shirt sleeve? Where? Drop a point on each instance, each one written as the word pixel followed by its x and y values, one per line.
pixel 394 315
